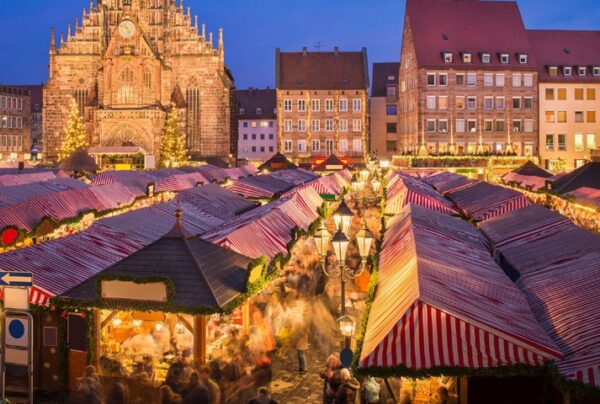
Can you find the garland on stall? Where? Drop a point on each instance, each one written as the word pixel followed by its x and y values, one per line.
pixel 500 371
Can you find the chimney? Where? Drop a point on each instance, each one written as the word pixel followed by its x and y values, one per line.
pixel 304 51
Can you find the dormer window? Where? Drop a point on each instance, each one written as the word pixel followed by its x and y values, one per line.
pixel 466 58
pixel 242 111
pixel 504 58
pixel 258 111
pixel 486 58
pixel 391 78
pixel 522 58
pixel 448 57
pixel 596 71
pixel 567 70
pixel 553 70
pixel 581 70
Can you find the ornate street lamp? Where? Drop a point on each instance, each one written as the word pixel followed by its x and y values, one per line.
pixel 340 246
pixel 322 237
pixel 343 217
pixel 376 186
pixel 347 325
pixel 364 175
pixel 364 239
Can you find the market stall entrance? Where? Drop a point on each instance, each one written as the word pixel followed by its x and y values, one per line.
pixel 156 307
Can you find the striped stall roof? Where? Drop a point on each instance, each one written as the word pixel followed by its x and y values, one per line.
pixel 556 266
pixel 296 176
pixel 180 182
pixel 136 181
pixel 587 194
pixel 525 181
pixel 260 186
pixel 483 201
pixel 443 301
pixel 265 231
pixel 216 201
pixel 447 182
pixel 405 189
pixel 26 178
pixel 60 264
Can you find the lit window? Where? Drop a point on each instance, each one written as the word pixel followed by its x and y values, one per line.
pixel 447 57
pixel 500 103
pixel 460 126
pixel 561 94
pixel 488 125
pixel 356 125
pixel 549 93
pixel 528 125
pixel 550 116
pixel 343 105
pixel 549 142
pixel 516 79
pixel 553 70
pixel 561 116
pixel 472 125
pixel 430 102
pixel 499 79
pixel 488 79
pixel 443 102
pixel 287 125
pixel 471 79
pixel 591 116
pixel 591 141
pixel 578 142
pixel 460 102
pixel 343 145
pixel 528 80
pixel 343 125
pixel 357 145
pixel 591 94
pixel 466 58
pixel 579 94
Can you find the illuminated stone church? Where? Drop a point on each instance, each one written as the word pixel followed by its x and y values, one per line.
pixel 126 63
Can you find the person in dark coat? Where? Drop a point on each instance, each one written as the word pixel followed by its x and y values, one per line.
pixel 348 391
pixel 331 378
pixel 263 397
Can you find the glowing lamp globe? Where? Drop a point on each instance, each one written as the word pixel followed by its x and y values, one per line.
pixel 343 217
pixel 347 325
pixel 340 246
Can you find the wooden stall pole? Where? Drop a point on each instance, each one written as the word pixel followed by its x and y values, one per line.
pixel 463 393
pixel 246 316
pixel 97 327
pixel 200 339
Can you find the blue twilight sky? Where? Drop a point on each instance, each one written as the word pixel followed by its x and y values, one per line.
pixel 254 28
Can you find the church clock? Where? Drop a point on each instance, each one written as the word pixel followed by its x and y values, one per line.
pixel 127 29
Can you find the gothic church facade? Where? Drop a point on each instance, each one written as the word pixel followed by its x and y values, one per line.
pixel 125 64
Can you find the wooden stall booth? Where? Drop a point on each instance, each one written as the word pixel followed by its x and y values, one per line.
pixel 178 299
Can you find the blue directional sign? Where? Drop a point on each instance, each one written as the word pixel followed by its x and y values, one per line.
pixel 16 279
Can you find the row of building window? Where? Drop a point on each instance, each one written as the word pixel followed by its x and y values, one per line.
pixel 568 70
pixel 470 102
pixel 561 116
pixel 7 102
pixel 255 124
pixel 315 125
pixel 470 125
pixel 261 136
pixel 485 57
pixel 489 79
pixel 11 142
pixel 315 105
pixel 11 122
pixel 472 148
pixel 255 149
pixel 316 145
pixel 578 142
pixel 560 94
pixel 259 111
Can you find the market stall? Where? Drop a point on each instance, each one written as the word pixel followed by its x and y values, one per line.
pixel 443 307
pixel 172 302
pixel 403 189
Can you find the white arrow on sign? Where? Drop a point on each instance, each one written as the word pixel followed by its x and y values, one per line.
pixel 16 279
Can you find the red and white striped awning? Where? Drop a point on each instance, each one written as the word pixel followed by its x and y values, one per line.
pixel 402 190
pixel 446 181
pixel 442 301
pixel 483 201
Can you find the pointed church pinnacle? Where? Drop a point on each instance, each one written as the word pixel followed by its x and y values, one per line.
pixel 76 24
pixel 69 32
pixel 189 13
pixel 220 45
pixel 62 39
pixel 204 31
pixel 210 39
pixel 52 40
pixel 196 22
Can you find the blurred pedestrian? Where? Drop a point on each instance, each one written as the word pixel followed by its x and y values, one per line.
pixel 302 347
pixel 331 378
pixel 167 396
pixel 263 397
pixel 347 392
pixel 118 394
pixel 214 391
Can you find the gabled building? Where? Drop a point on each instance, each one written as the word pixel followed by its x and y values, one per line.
pixel 322 103
pixel 257 125
pixel 569 93
pixel 468 79
pixel 383 108
pixel 36 104
pixel 15 134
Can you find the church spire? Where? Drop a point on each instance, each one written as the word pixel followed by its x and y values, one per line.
pixel 220 45
pixel 52 40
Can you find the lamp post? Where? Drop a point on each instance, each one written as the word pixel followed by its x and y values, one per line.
pixel 343 217
pixel 347 326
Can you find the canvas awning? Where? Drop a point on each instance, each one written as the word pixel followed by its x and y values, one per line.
pixel 445 182
pixel 442 301
pixel 483 201
pixel 556 265
pixel 403 189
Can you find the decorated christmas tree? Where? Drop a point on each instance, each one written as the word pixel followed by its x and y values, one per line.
pixel 172 148
pixel 75 137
